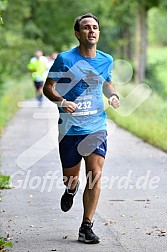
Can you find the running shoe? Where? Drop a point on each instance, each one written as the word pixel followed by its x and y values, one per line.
pixel 87 235
pixel 67 198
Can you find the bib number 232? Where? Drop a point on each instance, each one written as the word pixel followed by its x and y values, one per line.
pixel 86 106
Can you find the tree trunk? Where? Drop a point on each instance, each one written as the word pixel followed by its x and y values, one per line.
pixel 126 47
pixel 141 44
pixel 128 44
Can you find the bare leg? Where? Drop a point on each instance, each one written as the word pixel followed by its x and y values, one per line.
pixel 40 94
pixel 71 175
pixel 94 164
pixel 70 178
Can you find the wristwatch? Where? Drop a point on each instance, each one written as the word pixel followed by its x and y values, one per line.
pixel 114 94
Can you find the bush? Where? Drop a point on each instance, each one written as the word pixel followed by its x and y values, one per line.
pixel 153 80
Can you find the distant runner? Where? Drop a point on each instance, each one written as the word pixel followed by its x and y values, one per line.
pixel 38 67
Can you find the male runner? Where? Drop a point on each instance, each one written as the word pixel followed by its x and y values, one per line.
pixel 76 82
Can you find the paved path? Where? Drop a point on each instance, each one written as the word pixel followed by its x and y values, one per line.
pixel 132 211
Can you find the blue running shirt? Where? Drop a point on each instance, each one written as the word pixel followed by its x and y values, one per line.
pixel 80 79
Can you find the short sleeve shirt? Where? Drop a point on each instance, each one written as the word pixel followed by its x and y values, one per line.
pixel 80 79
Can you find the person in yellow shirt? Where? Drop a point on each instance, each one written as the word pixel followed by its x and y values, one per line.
pixel 38 67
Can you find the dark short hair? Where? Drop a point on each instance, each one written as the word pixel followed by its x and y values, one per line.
pixel 78 20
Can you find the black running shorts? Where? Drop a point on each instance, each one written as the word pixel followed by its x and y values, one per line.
pixel 73 148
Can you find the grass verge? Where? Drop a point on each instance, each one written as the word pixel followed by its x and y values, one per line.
pixel 148 121
pixel 12 92
pixel 4 181
pixel 4 184
pixel 4 243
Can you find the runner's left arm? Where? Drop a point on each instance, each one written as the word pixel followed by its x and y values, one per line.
pixel 109 91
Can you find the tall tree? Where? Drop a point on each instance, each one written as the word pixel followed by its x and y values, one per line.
pixel 142 8
pixel 141 43
pixel 55 18
pixel 119 24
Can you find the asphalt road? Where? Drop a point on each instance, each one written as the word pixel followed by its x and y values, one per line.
pixel 132 210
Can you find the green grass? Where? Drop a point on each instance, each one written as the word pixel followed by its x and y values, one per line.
pixel 4 243
pixel 148 121
pixel 4 181
pixel 13 91
pixel 156 53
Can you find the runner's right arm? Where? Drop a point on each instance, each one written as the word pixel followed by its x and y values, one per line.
pixel 51 93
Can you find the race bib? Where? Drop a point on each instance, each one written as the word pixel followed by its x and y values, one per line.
pixel 87 105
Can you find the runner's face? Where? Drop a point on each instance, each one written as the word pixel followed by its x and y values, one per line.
pixel 89 32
